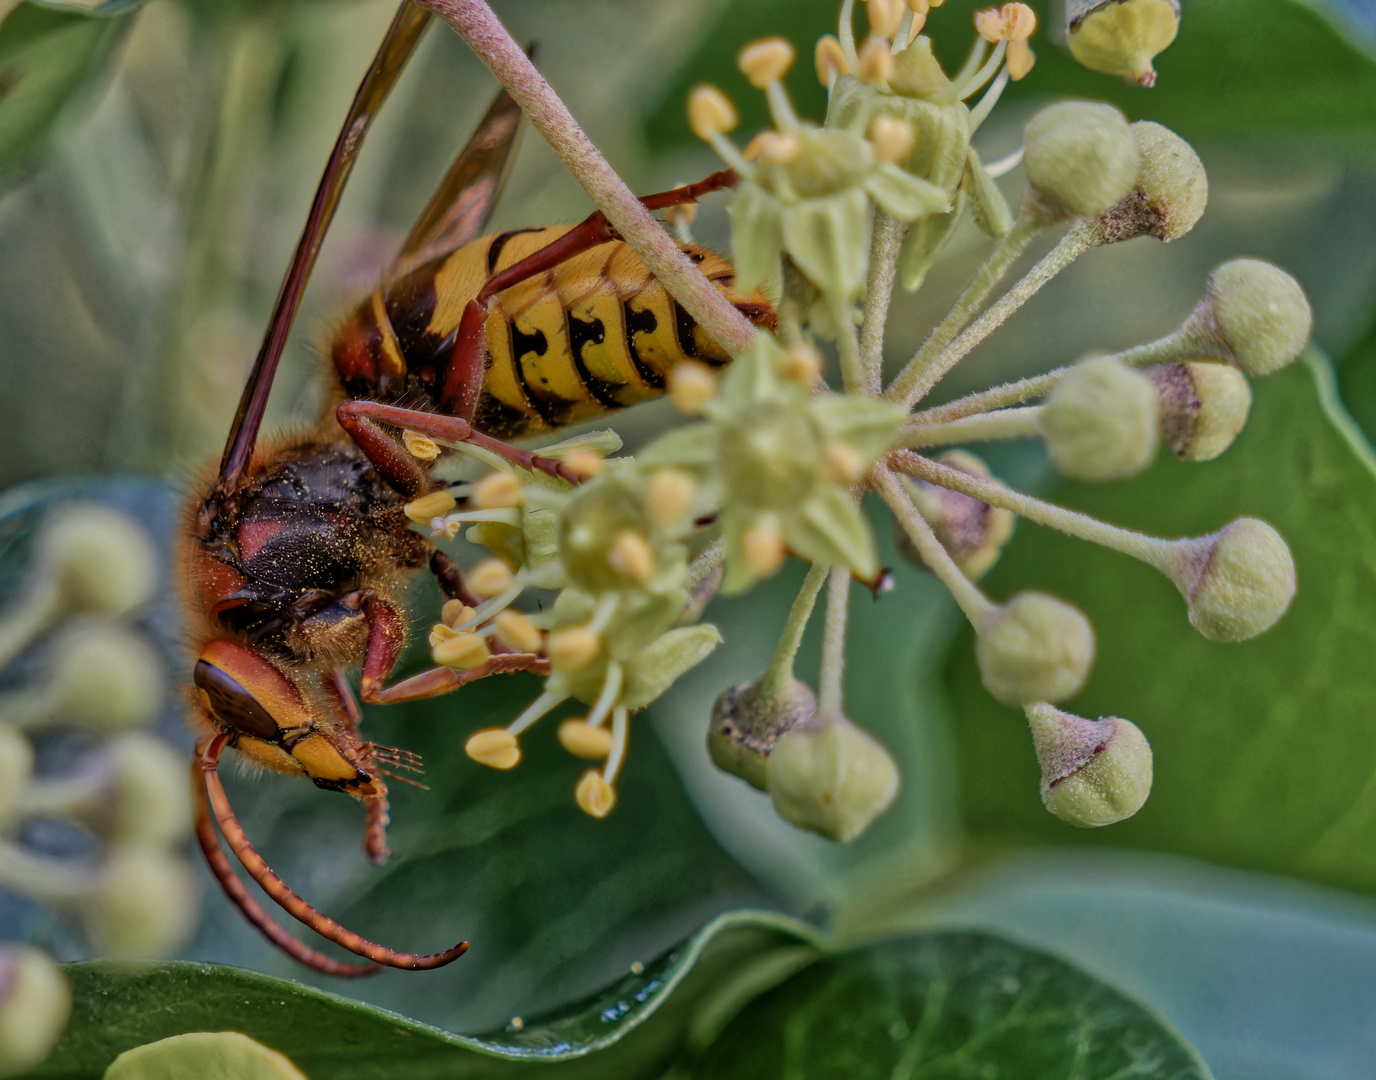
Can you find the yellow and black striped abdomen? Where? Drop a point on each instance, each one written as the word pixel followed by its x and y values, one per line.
pixel 596 333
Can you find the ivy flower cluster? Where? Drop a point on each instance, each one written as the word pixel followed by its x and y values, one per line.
pixel 833 216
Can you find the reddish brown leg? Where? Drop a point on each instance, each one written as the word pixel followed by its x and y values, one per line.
pixel 278 890
pixel 375 831
pixel 252 910
pixel 450 579
pixel 464 378
pixel 394 463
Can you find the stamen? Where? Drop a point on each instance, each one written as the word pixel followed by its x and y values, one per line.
pixel 620 726
pixel 845 34
pixel 981 112
pixel 545 703
pixel 1006 164
pixel 611 690
pixel 488 608
pixel 984 74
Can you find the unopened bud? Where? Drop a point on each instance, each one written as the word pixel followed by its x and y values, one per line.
pixel 463 651
pixel 152 804
pixel 1122 37
pixel 427 507
pixel 801 363
pixel 765 61
pixel 884 16
pixel 35 1002
pixel 494 747
pixel 105 677
pixel 572 648
pixel 488 578
pixel 670 497
pixel 1094 772
pixel 1236 582
pixel 893 139
pixel 516 631
pixel 830 60
pixel 595 797
pixel 830 777
pixel 1081 155
pixel 632 558
pixel 419 446
pixel 710 112
pixel 583 740
pixel 143 903
pixel 747 720
pixel 496 491
pixel 972 532
pixel 1034 648
pixel 874 61
pixel 1203 406
pixel 99 559
pixel 455 612
pixel 764 548
pixel 1100 421
pixel 586 463
pixel 1170 192
pixel 1261 312
pixel 205 1054
pixel 691 386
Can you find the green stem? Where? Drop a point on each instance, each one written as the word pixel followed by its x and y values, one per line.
pixel 779 675
pixel 848 346
pixel 1024 423
pixel 41 878
pixel 997 397
pixel 829 697
pixel 885 243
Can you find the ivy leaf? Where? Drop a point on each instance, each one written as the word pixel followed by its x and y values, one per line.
pixel 1264 751
pixel 948 1007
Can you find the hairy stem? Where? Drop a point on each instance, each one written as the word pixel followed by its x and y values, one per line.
pixel 776 679
pixel 884 245
pixel 997 397
pixel 982 427
pixel 830 696
pixel 476 23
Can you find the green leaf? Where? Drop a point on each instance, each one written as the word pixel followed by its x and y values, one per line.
pixel 1228 74
pixel 630 1028
pixel 948 1007
pixel 47 58
pixel 1263 754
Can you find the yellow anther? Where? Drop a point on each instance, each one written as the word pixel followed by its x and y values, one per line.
pixel 684 214
pixel 990 25
pixel 440 632
pixel 830 60
pixel 774 148
pixel 494 747
pixel 572 648
pixel 594 795
pixel 893 139
pixel 517 632
pixel 1019 21
pixel 874 61
pixel 583 740
pixel 420 446
pixel 843 464
pixel 488 578
pixel 765 61
pixel 885 16
pixel 496 491
pixel 463 651
pixel 801 363
pixel 764 548
pixel 921 7
pixel 632 558
pixel 691 386
pixel 428 507
pixel 1020 58
pixel 710 112
pixel 455 612
pixel 584 462
pixel 919 20
pixel 671 496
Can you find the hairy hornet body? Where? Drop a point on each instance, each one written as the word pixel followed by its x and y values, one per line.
pixel 295 553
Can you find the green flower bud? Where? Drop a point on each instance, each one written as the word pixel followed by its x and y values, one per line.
pixel 972 532
pixel 151 801
pixel 1261 314
pixel 1236 582
pixel 205 1054
pixel 144 903
pixel 1171 182
pixel 1094 772
pixel 1121 37
pixel 1203 406
pixel 747 721
pixel 104 677
pixel 1034 648
pixel 102 560
pixel 1100 421
pixel 828 776
pixel 1081 156
pixel 35 1002
pixel 16 770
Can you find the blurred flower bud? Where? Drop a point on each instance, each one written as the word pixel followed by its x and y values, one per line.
pixel 747 720
pixel 1121 37
pixel 1094 772
pixel 497 490
pixel 1261 313
pixel 1100 421
pixel 208 1054
pixel 710 112
pixel 494 747
pixel 1203 406
pixel 585 462
pixel 670 497
pixel 691 386
pixel 631 557
pixel 101 558
pixel 35 1002
pixel 16 770
pixel 765 61
pixel 151 800
pixel 972 532
pixel 1034 648
pixel 144 903
pixel 488 578
pixel 764 547
pixel 1236 582
pixel 830 777
pixel 595 797
pixel 1081 156
pixel 571 648
pixel 801 363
